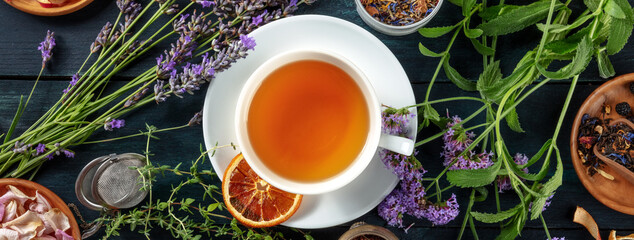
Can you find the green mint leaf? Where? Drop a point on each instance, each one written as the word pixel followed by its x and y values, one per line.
pixel 456 78
pixel 431 113
pixel 592 4
pixel 467 5
pixel 625 6
pixel 456 2
pixel 483 194
pixel 518 18
pixel 606 70
pixel 513 120
pixel 614 10
pixel 496 217
pixel 429 53
pixel 569 44
pixel 484 50
pixel 538 155
pixel 549 187
pixel 472 32
pixel 620 32
pixel 578 64
pixel 442 122
pixel 474 177
pixel 492 12
pixel 434 32
pixel 512 229
pixel 577 23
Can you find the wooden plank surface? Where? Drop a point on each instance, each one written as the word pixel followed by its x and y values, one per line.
pixel 20 64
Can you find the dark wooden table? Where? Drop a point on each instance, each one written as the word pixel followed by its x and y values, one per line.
pixel 20 34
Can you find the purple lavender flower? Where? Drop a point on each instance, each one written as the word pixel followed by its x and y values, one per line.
pixel 557 238
pixel 504 183
pixel 546 204
pixel 441 215
pixel 457 140
pixel 20 147
pixel 50 156
pixel 172 9
pixel 68 153
pixel 41 148
pixel 137 96
pixel 46 47
pixel 205 4
pixel 114 124
pixel 247 41
pixel 257 20
pixel 102 38
pixel 196 119
pixel 73 81
pixel 131 10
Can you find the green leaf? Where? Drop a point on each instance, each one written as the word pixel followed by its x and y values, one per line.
pixel 474 177
pixel 467 6
pixel 483 194
pixel 627 9
pixel 484 50
pixel 620 31
pixel 493 11
pixel 518 18
pixel 510 230
pixel 456 78
pixel 496 217
pixel 513 120
pixel 548 188
pixel 592 4
pixel 429 53
pixel 568 44
pixel 538 155
pixel 431 113
pixel 578 64
pixel 456 2
pixel 606 70
pixel 434 32
pixel 472 32
pixel 614 10
pixel 212 207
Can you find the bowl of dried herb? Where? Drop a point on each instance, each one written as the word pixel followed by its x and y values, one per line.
pixel 397 18
pixel 602 143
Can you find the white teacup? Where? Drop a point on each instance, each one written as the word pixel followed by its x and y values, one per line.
pixel 375 138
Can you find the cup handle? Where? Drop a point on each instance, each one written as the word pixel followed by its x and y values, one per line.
pixel 397 144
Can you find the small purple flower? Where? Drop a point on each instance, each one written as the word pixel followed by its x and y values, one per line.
pixel 395 121
pixel 205 4
pixel 68 154
pixel 73 81
pixel 196 119
pixel 441 215
pixel 50 156
pixel 504 183
pixel 114 124
pixel 394 207
pixel 557 238
pixel 293 3
pixel 41 148
pixel 457 140
pixel 46 47
pixel 247 42
pixel 257 20
pixel 546 204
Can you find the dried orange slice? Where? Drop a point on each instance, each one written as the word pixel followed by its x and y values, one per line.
pixel 253 201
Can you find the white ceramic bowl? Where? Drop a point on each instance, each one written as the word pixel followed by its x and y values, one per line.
pixel 395 30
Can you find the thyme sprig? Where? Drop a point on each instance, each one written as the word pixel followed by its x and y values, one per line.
pixel 182 215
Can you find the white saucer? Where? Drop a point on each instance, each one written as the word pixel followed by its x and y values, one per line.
pixel 350 41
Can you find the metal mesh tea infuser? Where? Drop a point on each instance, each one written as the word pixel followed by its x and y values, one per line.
pixel 108 183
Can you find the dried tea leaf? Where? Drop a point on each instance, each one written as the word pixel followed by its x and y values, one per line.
pixel 584 218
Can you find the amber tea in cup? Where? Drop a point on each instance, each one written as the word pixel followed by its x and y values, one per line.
pixel 308 121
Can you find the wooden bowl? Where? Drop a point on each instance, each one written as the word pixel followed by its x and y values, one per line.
pixel 616 193
pixel 29 189
pixel 361 230
pixel 33 7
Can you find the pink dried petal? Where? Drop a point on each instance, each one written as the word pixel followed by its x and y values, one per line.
pixel 61 235
pixel 45 237
pixel 28 225
pixel 8 234
pixel 54 220
pixel 41 205
pixel 15 194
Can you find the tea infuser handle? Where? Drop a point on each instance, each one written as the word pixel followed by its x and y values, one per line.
pixel 397 144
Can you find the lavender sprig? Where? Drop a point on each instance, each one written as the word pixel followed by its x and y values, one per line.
pixel 46 47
